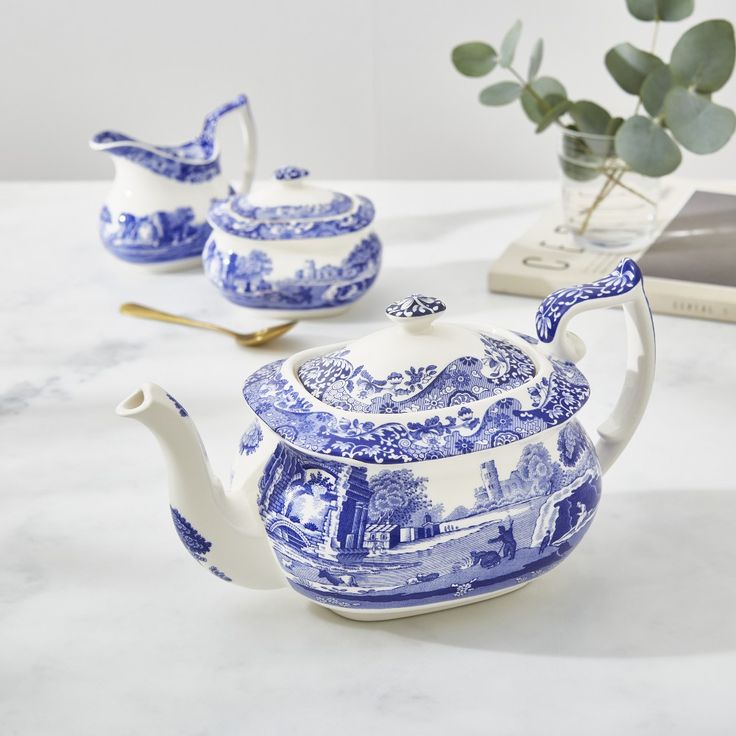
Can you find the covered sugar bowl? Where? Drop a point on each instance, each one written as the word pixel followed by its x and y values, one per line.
pixel 292 250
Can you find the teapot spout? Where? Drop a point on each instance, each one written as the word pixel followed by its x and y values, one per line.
pixel 221 535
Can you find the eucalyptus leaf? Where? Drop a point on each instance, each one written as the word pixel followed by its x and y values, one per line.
pixel 578 162
pixel 613 125
pixel 646 147
pixel 703 58
pixel 539 97
pixel 555 113
pixel 698 124
pixel 474 59
pixel 508 45
pixel 654 89
pixel 501 93
pixel 629 66
pixel 536 59
pixel 589 117
pixel 667 10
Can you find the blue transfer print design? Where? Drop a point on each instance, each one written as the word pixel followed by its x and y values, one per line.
pixel 346 537
pixel 290 173
pixel 174 162
pixel 416 305
pixel 243 278
pixel 219 574
pixel 155 238
pixel 221 216
pixel 338 205
pixel 625 277
pixel 551 401
pixel 336 381
pixel 182 411
pixel 192 162
pixel 251 439
pixel 196 544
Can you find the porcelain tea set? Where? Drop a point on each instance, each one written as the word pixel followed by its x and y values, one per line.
pixel 424 466
pixel 286 248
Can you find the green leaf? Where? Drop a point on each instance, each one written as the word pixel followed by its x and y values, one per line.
pixel 501 93
pixel 613 125
pixel 577 160
pixel 655 87
pixel 539 97
pixel 629 66
pixel 703 58
pixel 554 114
pixel 698 124
pixel 667 10
pixel 508 45
pixel 589 117
pixel 536 59
pixel 646 147
pixel 474 59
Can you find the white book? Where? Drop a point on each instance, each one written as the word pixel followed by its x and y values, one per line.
pixel 690 268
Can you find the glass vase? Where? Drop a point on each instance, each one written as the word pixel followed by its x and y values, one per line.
pixel 605 204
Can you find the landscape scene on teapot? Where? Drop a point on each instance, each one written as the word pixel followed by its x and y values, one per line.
pixel 346 536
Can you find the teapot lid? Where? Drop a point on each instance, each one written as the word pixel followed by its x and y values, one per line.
pixel 421 389
pixel 288 208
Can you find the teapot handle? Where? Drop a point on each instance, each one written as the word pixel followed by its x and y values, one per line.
pixel 624 286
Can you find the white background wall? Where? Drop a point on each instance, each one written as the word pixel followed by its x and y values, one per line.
pixel 348 88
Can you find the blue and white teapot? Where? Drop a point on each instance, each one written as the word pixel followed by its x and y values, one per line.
pixel 291 249
pixel 425 466
pixel 156 212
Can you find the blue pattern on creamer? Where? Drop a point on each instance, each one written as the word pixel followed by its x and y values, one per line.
pixel 221 216
pixel 355 537
pixel 550 401
pixel 336 381
pixel 243 279
pixel 154 238
pixel 625 277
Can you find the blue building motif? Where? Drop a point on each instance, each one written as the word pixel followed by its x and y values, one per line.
pixel 244 279
pixel 380 540
pixel 335 380
pixel 154 238
pixel 551 401
pixel 197 546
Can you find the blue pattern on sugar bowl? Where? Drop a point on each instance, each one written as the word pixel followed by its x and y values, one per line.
pixel 291 249
pixel 424 466
pixel 156 212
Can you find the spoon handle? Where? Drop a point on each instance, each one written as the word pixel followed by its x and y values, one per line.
pixel 138 310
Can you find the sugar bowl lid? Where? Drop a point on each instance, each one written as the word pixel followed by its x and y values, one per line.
pixel 422 389
pixel 289 208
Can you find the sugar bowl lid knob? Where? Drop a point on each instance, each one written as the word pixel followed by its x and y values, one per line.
pixel 416 311
pixel 290 173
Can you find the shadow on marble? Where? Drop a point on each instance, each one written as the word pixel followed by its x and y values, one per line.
pixel 653 578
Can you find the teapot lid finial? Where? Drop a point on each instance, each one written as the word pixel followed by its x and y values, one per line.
pixel 414 309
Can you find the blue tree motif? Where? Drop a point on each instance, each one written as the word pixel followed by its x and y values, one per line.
pixel 396 496
pixel 251 439
pixel 571 443
pixel 536 473
pixel 252 268
pixel 195 543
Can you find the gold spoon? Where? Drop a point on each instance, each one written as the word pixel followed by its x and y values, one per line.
pixel 250 339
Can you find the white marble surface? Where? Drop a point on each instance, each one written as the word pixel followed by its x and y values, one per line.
pixel 106 625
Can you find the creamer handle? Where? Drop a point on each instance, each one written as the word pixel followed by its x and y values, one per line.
pixel 624 287
pixel 248 129
pixel 250 142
